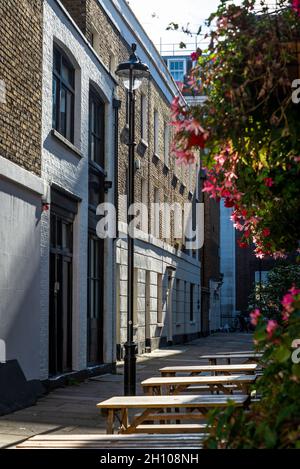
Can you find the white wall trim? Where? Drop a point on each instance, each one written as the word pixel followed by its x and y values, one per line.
pixel 20 176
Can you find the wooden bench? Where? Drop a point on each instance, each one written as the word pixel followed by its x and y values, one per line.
pixel 193 370
pixel 133 441
pixel 160 408
pixel 248 357
pixel 175 385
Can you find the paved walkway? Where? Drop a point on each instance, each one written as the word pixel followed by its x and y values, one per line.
pixel 71 409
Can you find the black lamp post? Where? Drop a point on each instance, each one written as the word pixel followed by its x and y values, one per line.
pixel 132 73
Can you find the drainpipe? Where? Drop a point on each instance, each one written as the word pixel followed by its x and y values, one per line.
pixel 116 107
pixel 170 271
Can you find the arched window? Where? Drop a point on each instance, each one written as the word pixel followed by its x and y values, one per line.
pixel 63 94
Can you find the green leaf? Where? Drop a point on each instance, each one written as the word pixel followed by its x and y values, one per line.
pixel 296 369
pixel 282 354
pixel 270 437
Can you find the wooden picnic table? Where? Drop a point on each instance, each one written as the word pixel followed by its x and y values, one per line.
pixel 178 384
pixel 245 368
pixel 123 441
pixel 160 408
pixel 249 357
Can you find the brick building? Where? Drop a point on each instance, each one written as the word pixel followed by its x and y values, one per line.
pixel 180 67
pixel 63 152
pixel 21 185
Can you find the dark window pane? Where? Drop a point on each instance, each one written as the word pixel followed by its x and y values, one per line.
pixel 191 302
pixel 56 61
pixel 97 150
pixel 63 105
pixel 92 117
pixel 67 73
pixel 63 95
pixel 69 115
pixel 55 91
pixel 96 129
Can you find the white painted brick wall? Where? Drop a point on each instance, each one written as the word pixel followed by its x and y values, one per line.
pixel 63 167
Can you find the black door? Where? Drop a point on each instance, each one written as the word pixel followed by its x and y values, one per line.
pixel 95 301
pixel 95 245
pixel 60 313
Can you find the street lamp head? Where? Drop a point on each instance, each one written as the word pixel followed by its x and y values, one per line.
pixel 133 71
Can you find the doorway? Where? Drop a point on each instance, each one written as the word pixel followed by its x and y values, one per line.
pixel 95 301
pixel 60 305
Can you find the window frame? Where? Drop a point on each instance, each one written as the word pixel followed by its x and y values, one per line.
pixel 144 118
pixel 177 60
pixel 159 296
pixel 95 99
pixel 192 286
pixel 68 87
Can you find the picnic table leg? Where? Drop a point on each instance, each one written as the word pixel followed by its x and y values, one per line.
pixel 148 390
pixel 124 420
pixel 110 422
pixel 244 387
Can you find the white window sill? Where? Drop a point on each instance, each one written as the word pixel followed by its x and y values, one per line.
pixel 61 139
pixel 144 142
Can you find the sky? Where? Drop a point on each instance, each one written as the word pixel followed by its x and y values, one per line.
pixel 156 15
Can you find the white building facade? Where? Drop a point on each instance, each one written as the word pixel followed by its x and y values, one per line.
pixel 63 289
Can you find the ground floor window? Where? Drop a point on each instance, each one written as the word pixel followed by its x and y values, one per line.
pixel 192 302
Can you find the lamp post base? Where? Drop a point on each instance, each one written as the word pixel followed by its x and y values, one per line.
pixel 130 369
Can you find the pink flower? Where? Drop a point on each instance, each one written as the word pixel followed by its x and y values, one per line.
pixel 266 232
pixel 255 315
pixel 194 56
pixel 296 6
pixel 228 203
pixel 279 255
pixel 285 316
pixel 287 302
pixel 242 244
pixel 294 290
pixel 269 182
pixel 271 327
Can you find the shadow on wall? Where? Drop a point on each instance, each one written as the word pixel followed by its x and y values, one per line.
pixel 19 276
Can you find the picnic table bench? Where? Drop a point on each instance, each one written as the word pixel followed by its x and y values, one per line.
pixel 127 441
pixel 175 385
pixel 160 408
pixel 248 357
pixel 245 368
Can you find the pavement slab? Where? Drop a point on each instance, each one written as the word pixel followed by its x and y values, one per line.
pixel 72 409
